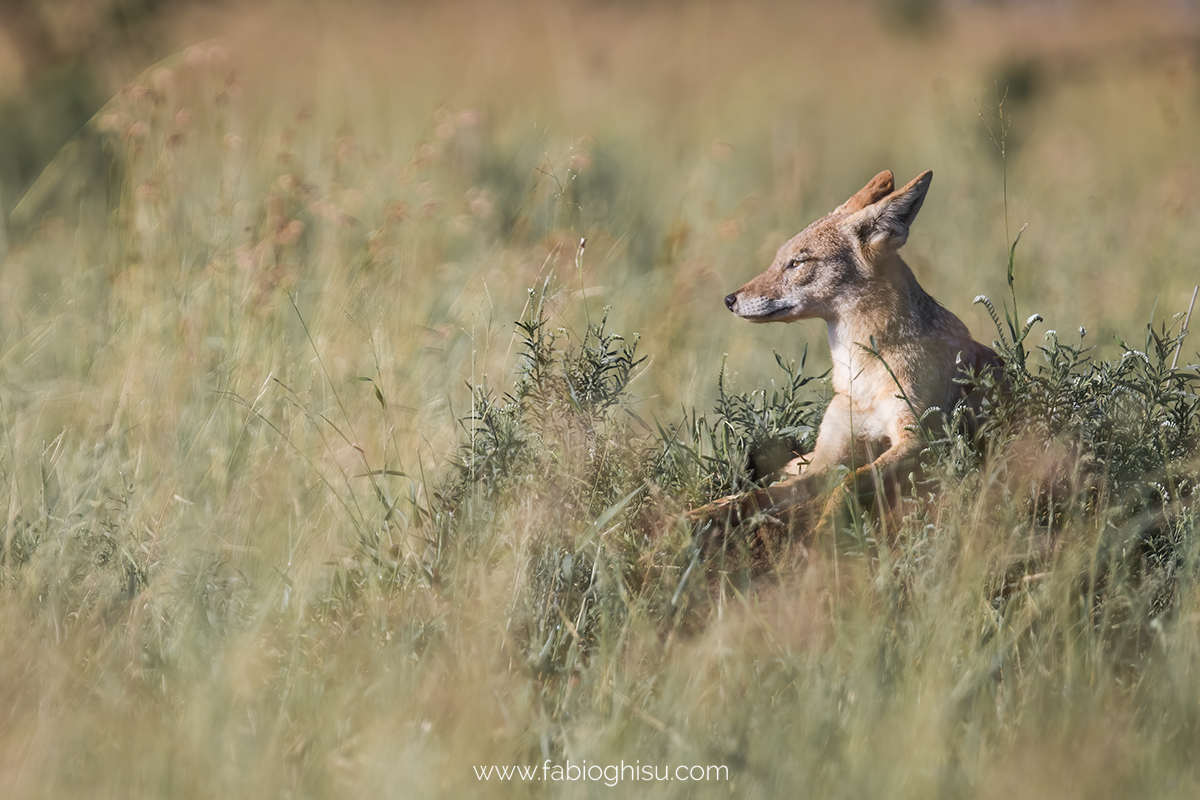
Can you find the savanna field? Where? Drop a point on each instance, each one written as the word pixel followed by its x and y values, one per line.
pixel 332 465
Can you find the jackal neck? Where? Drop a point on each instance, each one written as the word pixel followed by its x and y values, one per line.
pixel 897 314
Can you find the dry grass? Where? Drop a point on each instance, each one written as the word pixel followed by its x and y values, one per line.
pixel 231 387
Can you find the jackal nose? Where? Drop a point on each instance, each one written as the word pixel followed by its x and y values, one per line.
pixel 730 299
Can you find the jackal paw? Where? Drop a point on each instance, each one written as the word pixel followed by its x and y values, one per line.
pixel 728 511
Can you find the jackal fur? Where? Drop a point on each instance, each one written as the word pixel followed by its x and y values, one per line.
pixel 896 351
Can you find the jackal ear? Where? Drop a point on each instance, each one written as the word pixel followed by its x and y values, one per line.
pixel 886 222
pixel 876 189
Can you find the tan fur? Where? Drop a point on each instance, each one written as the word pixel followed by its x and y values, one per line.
pixel 846 270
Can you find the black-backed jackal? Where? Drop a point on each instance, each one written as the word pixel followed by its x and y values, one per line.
pixel 896 351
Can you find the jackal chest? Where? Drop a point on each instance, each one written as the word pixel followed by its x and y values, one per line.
pixel 874 404
pixel 877 425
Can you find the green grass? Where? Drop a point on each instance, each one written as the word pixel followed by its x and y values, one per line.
pixel 331 467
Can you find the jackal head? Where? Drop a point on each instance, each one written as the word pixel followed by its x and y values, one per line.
pixel 829 266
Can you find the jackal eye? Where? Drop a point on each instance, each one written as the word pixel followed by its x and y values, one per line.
pixel 795 262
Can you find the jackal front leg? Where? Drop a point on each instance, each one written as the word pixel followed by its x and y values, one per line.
pixel 735 509
pixel 883 480
pixel 776 516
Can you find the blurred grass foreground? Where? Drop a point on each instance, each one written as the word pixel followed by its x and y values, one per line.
pixel 327 452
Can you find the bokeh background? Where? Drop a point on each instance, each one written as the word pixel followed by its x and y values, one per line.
pixel 255 253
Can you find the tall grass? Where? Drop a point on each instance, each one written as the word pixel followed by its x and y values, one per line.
pixel 333 465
